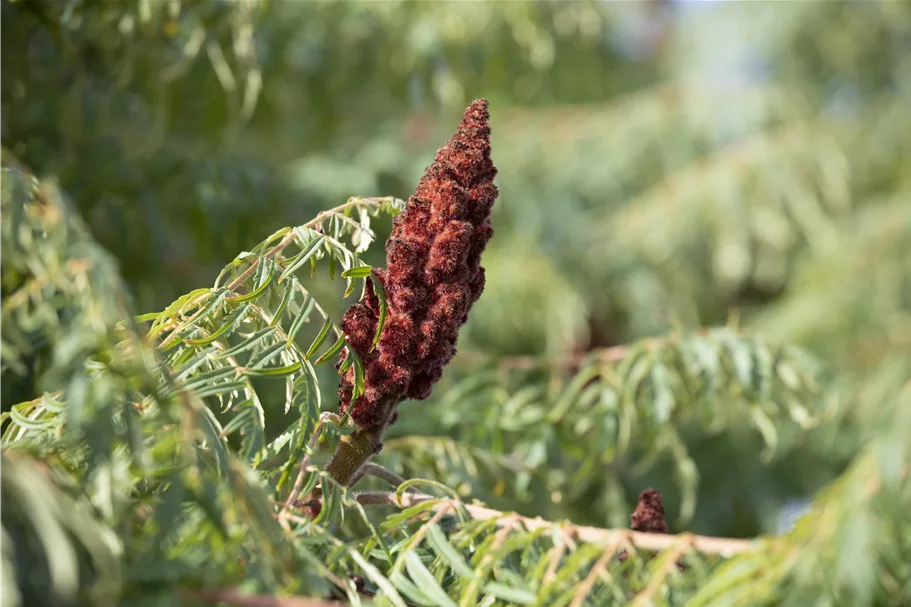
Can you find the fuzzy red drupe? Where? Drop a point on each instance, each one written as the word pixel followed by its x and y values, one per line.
pixel 432 277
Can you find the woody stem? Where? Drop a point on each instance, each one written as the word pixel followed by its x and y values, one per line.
pixel 353 451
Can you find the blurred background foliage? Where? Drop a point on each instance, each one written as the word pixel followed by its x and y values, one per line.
pixel 663 166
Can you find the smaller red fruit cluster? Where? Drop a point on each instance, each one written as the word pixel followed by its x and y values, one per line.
pixel 432 278
pixel 649 513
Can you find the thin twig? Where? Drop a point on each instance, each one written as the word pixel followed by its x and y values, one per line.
pixel 556 555
pixel 384 473
pixel 234 597
pixel 245 275
pixel 585 588
pixel 376 498
pixel 725 547
pixel 173 335
pixel 509 523
pixel 654 584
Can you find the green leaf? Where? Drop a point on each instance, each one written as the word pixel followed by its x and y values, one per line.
pixel 453 558
pixel 767 429
pixel 380 292
pixel 275 371
pixel 209 377
pixel 206 312
pixel 266 356
pixel 374 575
pixel 411 590
pixel 28 423
pixel 358 377
pixel 572 392
pixel 248 344
pixel 396 520
pixel 230 323
pixel 217 389
pixel 172 310
pixel 357 272
pixel 320 338
pixel 328 354
pixel 147 317
pixel 257 291
pixel 332 263
pixel 350 355
pixel 664 401
pixel 302 317
pixel 305 255
pixel 286 299
pixel 508 593
pixel 425 580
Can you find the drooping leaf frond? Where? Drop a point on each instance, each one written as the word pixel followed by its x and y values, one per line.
pixel 624 406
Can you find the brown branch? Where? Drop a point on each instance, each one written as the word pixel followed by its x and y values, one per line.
pixel 381 472
pixel 353 452
pixel 234 597
pixel 725 547
pixel 378 498
pixel 346 465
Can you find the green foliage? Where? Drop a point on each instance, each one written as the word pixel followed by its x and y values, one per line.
pixel 110 85
pixel 137 438
pixel 514 416
pixel 153 458
pixel 169 477
pixel 852 543
pixel 193 108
